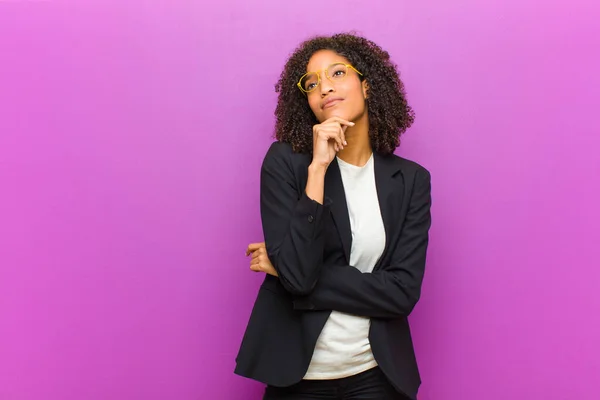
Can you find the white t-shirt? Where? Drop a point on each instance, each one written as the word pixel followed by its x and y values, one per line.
pixel 343 347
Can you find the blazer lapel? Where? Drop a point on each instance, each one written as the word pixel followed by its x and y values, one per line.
pixel 334 189
pixel 390 191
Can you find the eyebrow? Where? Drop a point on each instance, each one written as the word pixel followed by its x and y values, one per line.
pixel 328 65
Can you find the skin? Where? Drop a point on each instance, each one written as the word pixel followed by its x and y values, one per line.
pixel 343 130
pixel 351 108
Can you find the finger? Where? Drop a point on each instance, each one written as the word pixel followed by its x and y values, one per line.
pixel 343 134
pixel 340 121
pixel 339 137
pixel 333 144
pixel 333 133
pixel 253 247
pixel 336 143
pixel 255 255
pixel 255 266
pixel 341 128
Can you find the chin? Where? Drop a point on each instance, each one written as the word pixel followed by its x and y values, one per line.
pixel 335 113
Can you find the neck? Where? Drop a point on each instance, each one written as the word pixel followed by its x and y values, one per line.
pixel 358 151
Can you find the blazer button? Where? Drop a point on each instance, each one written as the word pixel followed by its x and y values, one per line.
pixel 311 218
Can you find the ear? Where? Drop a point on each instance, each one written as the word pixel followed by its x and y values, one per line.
pixel 365 87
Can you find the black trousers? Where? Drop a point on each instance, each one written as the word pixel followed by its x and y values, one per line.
pixel 371 384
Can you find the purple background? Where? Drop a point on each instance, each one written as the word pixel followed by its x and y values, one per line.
pixel 131 137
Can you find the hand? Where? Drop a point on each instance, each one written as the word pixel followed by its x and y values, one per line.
pixel 329 137
pixel 260 261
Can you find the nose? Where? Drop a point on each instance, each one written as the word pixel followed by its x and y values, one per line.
pixel 326 85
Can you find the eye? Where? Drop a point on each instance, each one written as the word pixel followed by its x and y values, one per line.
pixel 337 71
pixel 310 86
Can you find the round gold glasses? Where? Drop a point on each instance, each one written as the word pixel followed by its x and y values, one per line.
pixel 335 72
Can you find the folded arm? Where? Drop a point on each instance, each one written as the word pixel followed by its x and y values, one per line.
pixel 292 221
pixel 392 290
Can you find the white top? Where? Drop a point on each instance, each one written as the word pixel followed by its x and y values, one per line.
pixel 343 347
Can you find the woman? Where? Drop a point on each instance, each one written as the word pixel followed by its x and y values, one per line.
pixel 346 230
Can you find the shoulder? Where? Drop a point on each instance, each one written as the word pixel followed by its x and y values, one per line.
pixel 281 154
pixel 410 169
pixel 282 165
pixel 279 150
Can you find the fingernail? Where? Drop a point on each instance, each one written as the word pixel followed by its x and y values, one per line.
pixel 345 143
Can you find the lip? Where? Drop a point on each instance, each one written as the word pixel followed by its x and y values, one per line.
pixel 331 102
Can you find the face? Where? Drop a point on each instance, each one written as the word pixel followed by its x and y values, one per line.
pixel 344 98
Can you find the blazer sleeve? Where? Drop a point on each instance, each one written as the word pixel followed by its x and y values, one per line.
pixel 391 291
pixel 292 223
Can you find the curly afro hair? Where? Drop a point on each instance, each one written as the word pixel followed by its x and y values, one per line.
pixel 389 113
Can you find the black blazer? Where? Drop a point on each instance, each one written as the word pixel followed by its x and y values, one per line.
pixel 309 246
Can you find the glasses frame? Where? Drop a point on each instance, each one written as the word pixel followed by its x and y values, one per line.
pixel 299 84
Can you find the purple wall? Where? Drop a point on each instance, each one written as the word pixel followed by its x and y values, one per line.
pixel 131 137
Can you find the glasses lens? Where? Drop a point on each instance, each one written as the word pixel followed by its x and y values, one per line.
pixel 337 71
pixel 309 82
